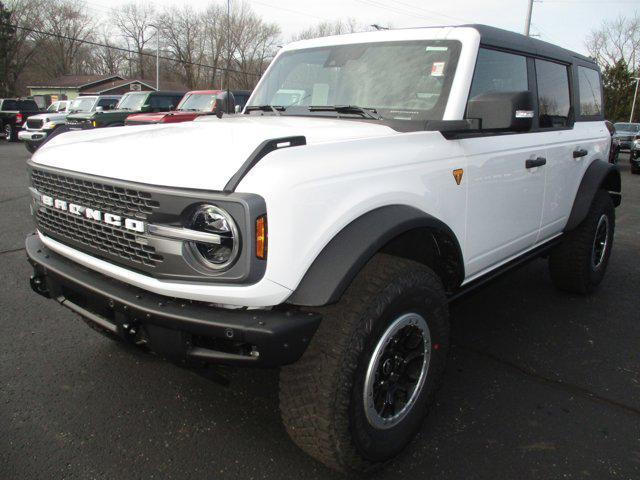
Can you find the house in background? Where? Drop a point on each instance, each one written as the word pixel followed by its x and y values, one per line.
pixel 69 87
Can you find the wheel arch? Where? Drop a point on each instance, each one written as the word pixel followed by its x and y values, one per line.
pixel 398 230
pixel 600 175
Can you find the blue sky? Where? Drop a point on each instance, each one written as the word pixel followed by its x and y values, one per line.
pixel 564 22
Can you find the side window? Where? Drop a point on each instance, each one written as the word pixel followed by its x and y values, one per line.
pixel 590 91
pixel 161 103
pixel 107 103
pixel 554 102
pixel 499 72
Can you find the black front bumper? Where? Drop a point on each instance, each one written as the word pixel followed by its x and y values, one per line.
pixel 179 329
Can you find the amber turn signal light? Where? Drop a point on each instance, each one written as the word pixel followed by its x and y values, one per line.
pixel 261 237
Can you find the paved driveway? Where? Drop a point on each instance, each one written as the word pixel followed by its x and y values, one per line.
pixel 541 385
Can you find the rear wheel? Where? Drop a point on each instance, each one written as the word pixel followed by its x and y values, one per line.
pixel 579 263
pixel 361 390
pixel 9 134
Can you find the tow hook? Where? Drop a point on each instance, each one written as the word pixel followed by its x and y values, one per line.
pixel 39 285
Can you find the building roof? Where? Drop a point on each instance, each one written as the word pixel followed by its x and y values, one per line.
pixel 105 87
pixel 74 81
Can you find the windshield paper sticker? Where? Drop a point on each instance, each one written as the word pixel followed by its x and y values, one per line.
pixel 437 69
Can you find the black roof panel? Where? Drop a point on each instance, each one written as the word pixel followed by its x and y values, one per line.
pixel 497 37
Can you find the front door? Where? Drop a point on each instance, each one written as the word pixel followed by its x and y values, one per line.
pixel 505 198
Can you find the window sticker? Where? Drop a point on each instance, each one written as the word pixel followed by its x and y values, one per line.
pixel 433 48
pixel 437 69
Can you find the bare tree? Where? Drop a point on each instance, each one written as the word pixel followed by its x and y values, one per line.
pixel 616 40
pixel 215 21
pixel 325 29
pixel 106 60
pixel 21 47
pixel 253 44
pixel 183 30
pixel 69 27
pixel 135 22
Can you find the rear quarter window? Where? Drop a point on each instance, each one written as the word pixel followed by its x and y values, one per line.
pixel 590 92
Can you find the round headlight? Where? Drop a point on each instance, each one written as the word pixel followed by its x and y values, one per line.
pixel 219 254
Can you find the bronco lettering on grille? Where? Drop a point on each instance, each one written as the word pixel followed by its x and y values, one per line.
pixel 92 214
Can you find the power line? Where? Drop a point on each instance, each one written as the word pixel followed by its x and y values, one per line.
pixel 126 50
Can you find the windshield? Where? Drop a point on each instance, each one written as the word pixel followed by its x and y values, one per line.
pixel 407 80
pixel 132 101
pixel 200 102
pixel 627 127
pixel 82 104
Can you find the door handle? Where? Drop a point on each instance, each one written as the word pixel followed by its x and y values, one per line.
pixel 581 152
pixel 537 162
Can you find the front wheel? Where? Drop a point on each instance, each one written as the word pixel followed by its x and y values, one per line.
pixel 579 263
pixel 360 392
pixel 31 147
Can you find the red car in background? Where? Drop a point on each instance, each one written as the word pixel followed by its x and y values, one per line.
pixel 192 105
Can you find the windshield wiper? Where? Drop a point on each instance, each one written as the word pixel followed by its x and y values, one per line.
pixel 266 108
pixel 365 112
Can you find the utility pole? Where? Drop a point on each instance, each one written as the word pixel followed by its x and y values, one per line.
pixel 527 22
pixel 228 54
pixel 633 105
pixel 157 55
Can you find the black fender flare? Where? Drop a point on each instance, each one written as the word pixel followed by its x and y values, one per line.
pixel 599 175
pixel 344 256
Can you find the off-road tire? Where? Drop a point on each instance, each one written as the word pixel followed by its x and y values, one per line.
pixel 570 263
pixel 31 147
pixel 322 395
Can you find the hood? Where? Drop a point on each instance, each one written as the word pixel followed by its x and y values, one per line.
pixel 202 154
pixel 51 116
pixel 163 117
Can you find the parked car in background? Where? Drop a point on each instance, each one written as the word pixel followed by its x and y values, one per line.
pixel 241 97
pixel 39 127
pixel 133 102
pixel 192 105
pixel 634 156
pixel 624 135
pixel 13 112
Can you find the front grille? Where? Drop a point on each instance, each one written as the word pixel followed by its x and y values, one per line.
pixel 106 198
pixel 107 241
pixel 34 124
pixel 111 241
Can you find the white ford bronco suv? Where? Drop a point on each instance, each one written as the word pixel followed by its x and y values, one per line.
pixel 371 179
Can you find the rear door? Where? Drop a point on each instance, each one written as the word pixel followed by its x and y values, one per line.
pixel 571 146
pixel 504 198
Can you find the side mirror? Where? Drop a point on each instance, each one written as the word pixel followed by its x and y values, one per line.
pixel 508 111
pixel 237 109
pixel 99 109
pixel 146 108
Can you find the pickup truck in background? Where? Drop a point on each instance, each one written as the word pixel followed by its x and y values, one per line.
pixel 194 104
pixel 13 113
pixel 38 128
pixel 133 102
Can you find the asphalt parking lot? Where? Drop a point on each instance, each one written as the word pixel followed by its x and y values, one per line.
pixel 540 385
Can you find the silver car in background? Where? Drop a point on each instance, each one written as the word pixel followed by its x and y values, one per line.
pixel 38 128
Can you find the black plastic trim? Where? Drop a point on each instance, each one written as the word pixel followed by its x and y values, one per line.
pixel 259 153
pixel 595 177
pixel 345 255
pixel 280 336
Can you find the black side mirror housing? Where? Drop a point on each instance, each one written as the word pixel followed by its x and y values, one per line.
pixel 225 103
pixel 502 111
pixel 146 108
